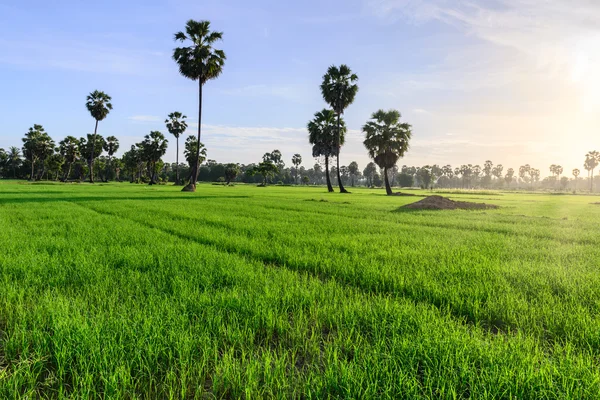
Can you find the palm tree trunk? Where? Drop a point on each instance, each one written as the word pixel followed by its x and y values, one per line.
pixel 108 167
pixel 592 182
pixel 66 177
pixel 388 189
pixel 191 187
pixel 177 162
pixel 329 187
pixel 32 177
pixel 92 155
pixel 339 178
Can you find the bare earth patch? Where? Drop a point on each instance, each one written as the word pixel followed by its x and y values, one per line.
pixel 443 203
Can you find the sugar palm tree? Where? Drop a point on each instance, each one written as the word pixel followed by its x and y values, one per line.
pixel 99 105
pixel 322 134
pixel 154 146
pixel 111 145
pixel 339 89
pixel 576 173
pixel 14 157
pixel 386 140
pixel 199 62
pixel 592 159
pixel 296 161
pixel 176 126
pixel 69 149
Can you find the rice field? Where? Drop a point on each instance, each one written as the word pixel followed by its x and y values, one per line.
pixel 135 292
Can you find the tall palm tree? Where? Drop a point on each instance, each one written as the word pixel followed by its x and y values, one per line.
pixel 592 159
pixel 322 134
pixel 111 145
pixel 576 173
pixel 14 156
pixel 177 126
pixel 99 105
pixel 199 62
pixel 339 89
pixel 386 139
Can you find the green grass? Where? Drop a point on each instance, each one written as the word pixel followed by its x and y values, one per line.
pixel 127 291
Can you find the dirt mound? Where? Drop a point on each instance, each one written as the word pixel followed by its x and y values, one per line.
pixel 443 203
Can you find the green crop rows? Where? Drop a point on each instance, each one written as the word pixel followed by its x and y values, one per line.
pixel 124 291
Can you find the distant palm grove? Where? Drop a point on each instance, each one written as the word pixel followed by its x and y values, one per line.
pixel 93 157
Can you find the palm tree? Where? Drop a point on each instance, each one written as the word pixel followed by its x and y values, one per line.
pixel 111 145
pixel 322 135
pixel 37 146
pixel 154 146
pixel 296 161
pixel 69 150
pixel 99 105
pixel 14 156
pixel 353 170
pixel 339 89
pixel 199 62
pixel 576 173
pixel 176 126
pixel 191 151
pixel 386 139
pixel 592 159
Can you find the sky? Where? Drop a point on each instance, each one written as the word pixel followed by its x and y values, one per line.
pixel 512 81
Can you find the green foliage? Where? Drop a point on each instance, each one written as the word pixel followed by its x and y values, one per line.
pixel 199 61
pixel 191 148
pixel 99 105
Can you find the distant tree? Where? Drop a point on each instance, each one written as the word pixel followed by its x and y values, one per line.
pixel 424 175
pixel 524 172
pixel 91 148
pixel 99 105
pixel 497 171
pixel 476 172
pixel 534 175
pixel 231 172
pixel 305 180
pixel 199 62
pixel 564 182
pixel 69 149
pixel 153 148
pixel 510 173
pixel 14 158
pixel 354 171
pixel 131 161
pixel 176 126
pixel 339 89
pixel 191 152
pixel 267 168
pixel 111 145
pixel 54 163
pixel 592 159
pixel 296 161
pixel 576 173
pixel 386 140
pixel 369 173
pixel 118 165
pixel 405 180
pixel 322 134
pixel 37 146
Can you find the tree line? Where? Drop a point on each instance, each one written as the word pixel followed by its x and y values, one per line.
pixel 386 140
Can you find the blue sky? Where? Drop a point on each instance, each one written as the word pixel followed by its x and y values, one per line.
pixel 514 81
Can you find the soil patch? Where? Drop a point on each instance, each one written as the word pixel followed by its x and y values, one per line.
pixel 443 203
pixel 403 194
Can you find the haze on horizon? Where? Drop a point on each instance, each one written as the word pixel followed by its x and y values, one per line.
pixel 513 81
